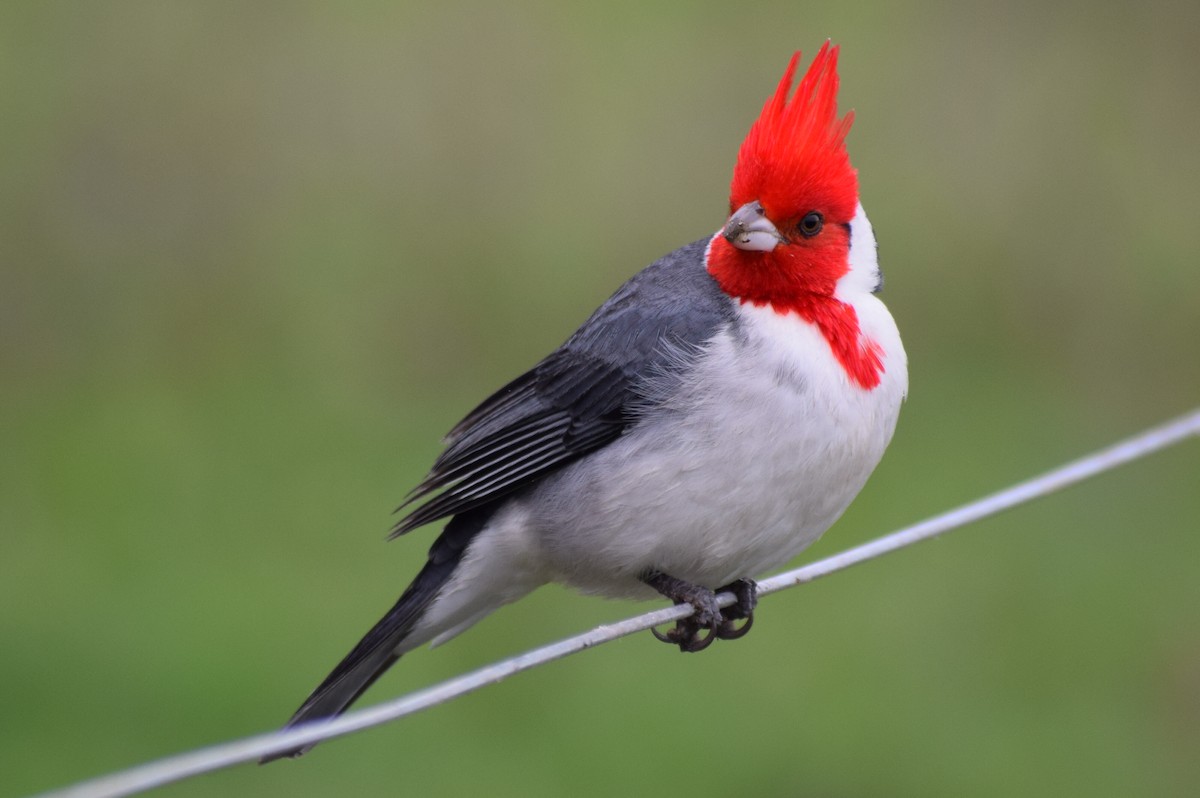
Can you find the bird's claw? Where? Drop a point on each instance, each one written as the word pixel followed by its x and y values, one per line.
pixel 728 630
pixel 720 624
pixel 746 592
pixel 687 636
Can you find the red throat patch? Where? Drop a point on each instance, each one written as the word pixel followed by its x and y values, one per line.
pixel 794 162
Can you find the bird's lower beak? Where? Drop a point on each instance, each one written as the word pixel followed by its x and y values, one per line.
pixel 750 229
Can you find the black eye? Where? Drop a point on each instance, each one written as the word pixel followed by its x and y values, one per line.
pixel 811 224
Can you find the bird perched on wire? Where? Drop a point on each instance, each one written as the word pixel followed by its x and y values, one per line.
pixel 711 419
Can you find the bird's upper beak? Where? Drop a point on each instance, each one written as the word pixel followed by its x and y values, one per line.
pixel 750 229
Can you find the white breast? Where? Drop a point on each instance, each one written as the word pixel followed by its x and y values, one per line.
pixel 758 452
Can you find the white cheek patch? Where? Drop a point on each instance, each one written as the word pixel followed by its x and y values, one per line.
pixel 864 274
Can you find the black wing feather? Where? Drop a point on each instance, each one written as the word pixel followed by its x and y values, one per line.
pixel 581 397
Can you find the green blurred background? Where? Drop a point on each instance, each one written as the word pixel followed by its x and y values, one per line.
pixel 256 258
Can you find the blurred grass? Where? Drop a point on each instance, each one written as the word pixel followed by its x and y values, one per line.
pixel 254 259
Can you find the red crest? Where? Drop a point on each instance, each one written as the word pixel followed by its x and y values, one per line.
pixel 794 158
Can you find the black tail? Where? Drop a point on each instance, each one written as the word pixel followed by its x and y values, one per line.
pixel 376 652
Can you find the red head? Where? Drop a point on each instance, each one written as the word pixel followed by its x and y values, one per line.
pixel 793 194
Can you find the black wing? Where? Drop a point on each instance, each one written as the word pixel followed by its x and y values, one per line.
pixel 582 396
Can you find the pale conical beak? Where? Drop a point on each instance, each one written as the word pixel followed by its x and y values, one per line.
pixel 750 229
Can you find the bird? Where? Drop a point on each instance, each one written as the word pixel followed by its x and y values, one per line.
pixel 709 421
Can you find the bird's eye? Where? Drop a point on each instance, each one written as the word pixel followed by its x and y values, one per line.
pixel 811 224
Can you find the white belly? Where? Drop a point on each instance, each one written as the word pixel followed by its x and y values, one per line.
pixel 750 461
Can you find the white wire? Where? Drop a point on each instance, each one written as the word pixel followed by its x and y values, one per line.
pixel 249 749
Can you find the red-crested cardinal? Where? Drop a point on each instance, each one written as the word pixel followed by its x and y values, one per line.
pixel 711 419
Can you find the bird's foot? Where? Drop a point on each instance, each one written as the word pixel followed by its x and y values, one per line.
pixel 709 622
pixel 746 592
pixel 686 635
